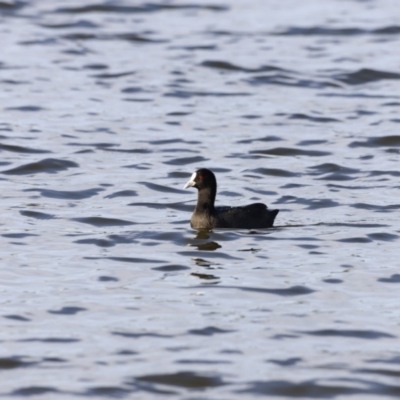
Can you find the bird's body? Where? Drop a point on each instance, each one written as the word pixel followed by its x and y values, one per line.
pixel 207 216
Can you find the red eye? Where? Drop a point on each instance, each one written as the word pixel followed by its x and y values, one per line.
pixel 201 176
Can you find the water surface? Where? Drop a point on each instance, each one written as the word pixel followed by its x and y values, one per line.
pixel 107 108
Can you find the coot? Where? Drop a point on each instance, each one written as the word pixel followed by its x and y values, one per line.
pixel 206 216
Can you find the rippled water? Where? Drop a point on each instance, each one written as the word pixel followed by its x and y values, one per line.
pixel 108 107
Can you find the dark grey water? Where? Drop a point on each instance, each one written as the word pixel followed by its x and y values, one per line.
pixel 106 110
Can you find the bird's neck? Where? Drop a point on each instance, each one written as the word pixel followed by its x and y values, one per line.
pixel 205 200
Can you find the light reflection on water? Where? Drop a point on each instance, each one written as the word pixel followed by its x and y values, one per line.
pixel 108 108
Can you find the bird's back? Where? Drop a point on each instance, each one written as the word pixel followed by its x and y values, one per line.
pixel 252 216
